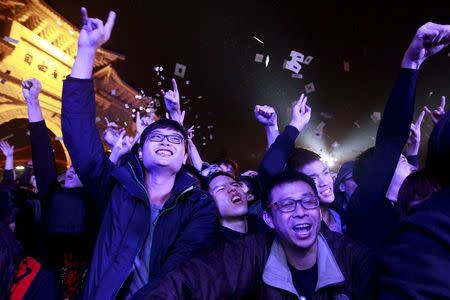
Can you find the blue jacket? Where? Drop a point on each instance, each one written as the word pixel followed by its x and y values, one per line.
pixel 186 223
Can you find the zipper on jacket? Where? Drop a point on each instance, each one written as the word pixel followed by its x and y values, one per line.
pixel 140 248
pixel 174 205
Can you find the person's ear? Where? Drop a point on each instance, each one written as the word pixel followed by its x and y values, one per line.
pixel 185 158
pixel 342 187
pixel 268 219
pixel 250 197
pixel 140 153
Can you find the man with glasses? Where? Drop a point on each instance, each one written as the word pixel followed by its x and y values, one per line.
pixel 154 216
pixel 302 261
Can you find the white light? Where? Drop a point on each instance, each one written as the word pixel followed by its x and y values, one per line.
pixel 20 168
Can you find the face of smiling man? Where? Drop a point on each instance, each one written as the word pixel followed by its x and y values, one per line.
pixel 319 172
pixel 167 153
pixel 229 197
pixel 297 229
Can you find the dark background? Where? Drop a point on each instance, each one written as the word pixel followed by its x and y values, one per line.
pixel 215 41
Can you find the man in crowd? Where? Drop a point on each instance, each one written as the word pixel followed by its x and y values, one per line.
pixel 154 217
pixel 300 262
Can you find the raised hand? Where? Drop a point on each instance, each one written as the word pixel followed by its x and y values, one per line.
pixel 172 101
pixel 94 33
pixel 266 115
pixel 7 150
pixel 414 136
pixel 301 113
pixel 142 123
pixel 428 40
pixel 438 113
pixel 121 147
pixel 190 133
pixel 30 90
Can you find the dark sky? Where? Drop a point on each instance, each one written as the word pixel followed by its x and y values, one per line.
pixel 215 41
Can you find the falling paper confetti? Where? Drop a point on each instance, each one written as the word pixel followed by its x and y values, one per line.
pixel 211 137
pixel 298 76
pixel 376 116
pixel 294 64
pixel 326 115
pixel 319 129
pixel 141 108
pixel 356 124
pixel 210 126
pixel 125 123
pixel 346 66
pixel 258 40
pixel 259 58
pixel 113 92
pixel 187 82
pixel 127 105
pixel 308 60
pixel 199 97
pixel 267 60
pixel 97 119
pixel 133 110
pixel 180 70
pixel 309 88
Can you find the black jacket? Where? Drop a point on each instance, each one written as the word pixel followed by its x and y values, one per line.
pixel 186 223
pixel 416 262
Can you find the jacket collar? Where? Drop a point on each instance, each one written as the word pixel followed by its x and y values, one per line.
pixel 277 274
pixel 131 177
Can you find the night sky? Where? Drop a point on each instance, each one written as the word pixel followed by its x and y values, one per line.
pixel 215 41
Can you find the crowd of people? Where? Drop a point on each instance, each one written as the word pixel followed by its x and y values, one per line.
pixel 149 219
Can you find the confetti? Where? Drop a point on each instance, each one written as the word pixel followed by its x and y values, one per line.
pixel 196 116
pixel 199 97
pixel 204 144
pixel 97 119
pixel 308 60
pixel 141 108
pixel 430 94
pixel 138 97
pixel 187 82
pixel 204 137
pixel 376 116
pixel 346 66
pixel 148 110
pixel 357 124
pixel 294 64
pixel 133 116
pixel 326 115
pixel 298 76
pixel 113 92
pixel 211 137
pixel 309 88
pixel 267 60
pixel 10 40
pixel 159 83
pixel 210 126
pixel 259 58
pixel 180 70
pixel 28 132
pixel 198 127
pixel 258 40
pixel 319 129
pixel 133 110
pixel 125 123
pixel 127 105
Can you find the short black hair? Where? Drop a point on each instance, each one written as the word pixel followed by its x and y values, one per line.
pixel 284 177
pixel 207 180
pixel 301 157
pixel 438 155
pixel 163 123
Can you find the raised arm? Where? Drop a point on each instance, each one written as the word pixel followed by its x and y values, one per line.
pixel 41 146
pixel 78 109
pixel 392 135
pixel 8 173
pixel 267 116
pixel 278 153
